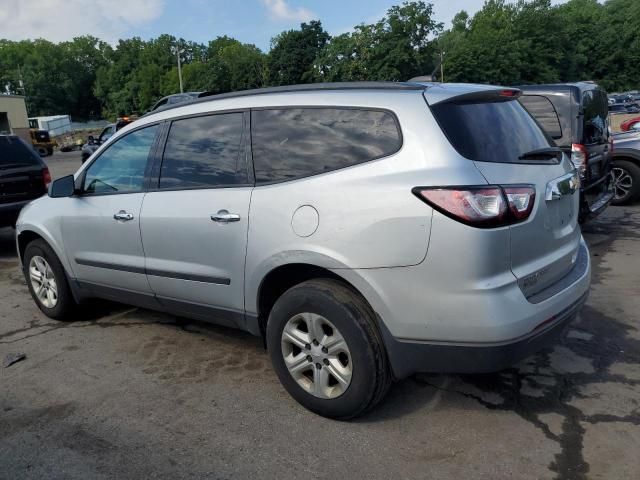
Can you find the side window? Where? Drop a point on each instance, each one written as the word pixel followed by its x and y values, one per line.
pixel 544 112
pixel 106 134
pixel 161 103
pixel 595 110
pixel 298 142
pixel 204 152
pixel 120 168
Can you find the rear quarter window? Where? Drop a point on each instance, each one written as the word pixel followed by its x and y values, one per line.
pixel 291 143
pixel 544 112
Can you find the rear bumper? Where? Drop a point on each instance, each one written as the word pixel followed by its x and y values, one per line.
pixel 487 330
pixel 9 212
pixel 413 357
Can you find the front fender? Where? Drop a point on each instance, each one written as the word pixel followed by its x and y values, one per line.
pixel 49 228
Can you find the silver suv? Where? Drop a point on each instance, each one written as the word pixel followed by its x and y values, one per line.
pixel 367 231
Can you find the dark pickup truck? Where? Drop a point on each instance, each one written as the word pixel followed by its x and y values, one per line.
pixel 576 117
pixel 23 177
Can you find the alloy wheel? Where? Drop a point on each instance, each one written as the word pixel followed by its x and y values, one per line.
pixel 43 282
pixel 316 355
pixel 622 182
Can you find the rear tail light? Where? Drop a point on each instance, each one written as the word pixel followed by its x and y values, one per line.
pixel 482 207
pixel 579 158
pixel 46 177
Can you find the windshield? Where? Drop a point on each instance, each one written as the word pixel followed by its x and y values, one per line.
pixel 490 131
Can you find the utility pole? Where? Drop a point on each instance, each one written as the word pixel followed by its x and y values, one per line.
pixel 442 66
pixel 178 51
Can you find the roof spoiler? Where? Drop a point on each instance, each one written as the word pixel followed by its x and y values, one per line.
pixel 482 96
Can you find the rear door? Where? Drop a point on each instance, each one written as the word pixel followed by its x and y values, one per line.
pixel 21 171
pixel 496 135
pixel 595 133
pixel 195 221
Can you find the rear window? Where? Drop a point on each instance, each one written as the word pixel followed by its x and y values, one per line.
pixel 490 131
pixel 595 107
pixel 544 112
pixel 299 142
pixel 15 153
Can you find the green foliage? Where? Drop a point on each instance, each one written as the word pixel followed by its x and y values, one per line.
pixel 293 53
pixel 395 48
pixel 506 42
pixel 532 41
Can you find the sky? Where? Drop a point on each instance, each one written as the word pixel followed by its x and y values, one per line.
pixel 250 21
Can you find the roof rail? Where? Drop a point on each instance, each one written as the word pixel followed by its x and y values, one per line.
pixel 308 87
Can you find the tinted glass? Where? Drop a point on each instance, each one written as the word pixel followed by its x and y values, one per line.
pixel 543 111
pixel 106 134
pixel 299 142
pixel 490 132
pixel 596 110
pixel 15 153
pixel 204 152
pixel 120 168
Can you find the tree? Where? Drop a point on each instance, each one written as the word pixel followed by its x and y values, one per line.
pixel 397 47
pixel 293 52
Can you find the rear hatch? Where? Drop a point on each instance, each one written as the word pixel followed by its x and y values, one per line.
pixel 510 149
pixel 595 141
pixel 21 171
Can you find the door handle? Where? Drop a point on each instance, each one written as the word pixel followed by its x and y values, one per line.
pixel 123 216
pixel 223 216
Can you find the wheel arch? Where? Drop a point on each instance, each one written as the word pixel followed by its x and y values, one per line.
pixel 284 276
pixel 629 155
pixel 26 235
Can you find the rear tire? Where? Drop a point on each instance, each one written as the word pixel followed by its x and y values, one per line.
pixel 42 151
pixel 626 182
pixel 47 281
pixel 339 313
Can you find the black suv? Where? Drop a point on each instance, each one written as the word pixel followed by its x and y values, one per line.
pixel 23 177
pixel 576 116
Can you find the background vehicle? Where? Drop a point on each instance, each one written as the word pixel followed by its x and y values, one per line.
pixel 631 124
pixel 626 167
pixel 575 116
pixel 174 99
pixel 23 177
pixel 618 108
pixel 108 131
pixel 377 229
pixel 41 139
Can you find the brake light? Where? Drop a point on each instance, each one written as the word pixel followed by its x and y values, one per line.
pixel 482 207
pixel 509 93
pixel 46 177
pixel 579 158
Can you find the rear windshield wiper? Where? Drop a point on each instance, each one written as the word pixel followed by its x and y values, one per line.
pixel 542 153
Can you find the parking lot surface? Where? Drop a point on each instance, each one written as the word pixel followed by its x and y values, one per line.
pixel 130 393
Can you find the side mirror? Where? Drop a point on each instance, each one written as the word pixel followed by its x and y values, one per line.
pixel 91 140
pixel 63 187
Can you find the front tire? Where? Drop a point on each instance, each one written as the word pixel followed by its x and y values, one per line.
pixel 626 182
pixel 326 349
pixel 47 281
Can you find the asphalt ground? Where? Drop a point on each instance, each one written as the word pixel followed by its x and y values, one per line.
pixel 130 393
